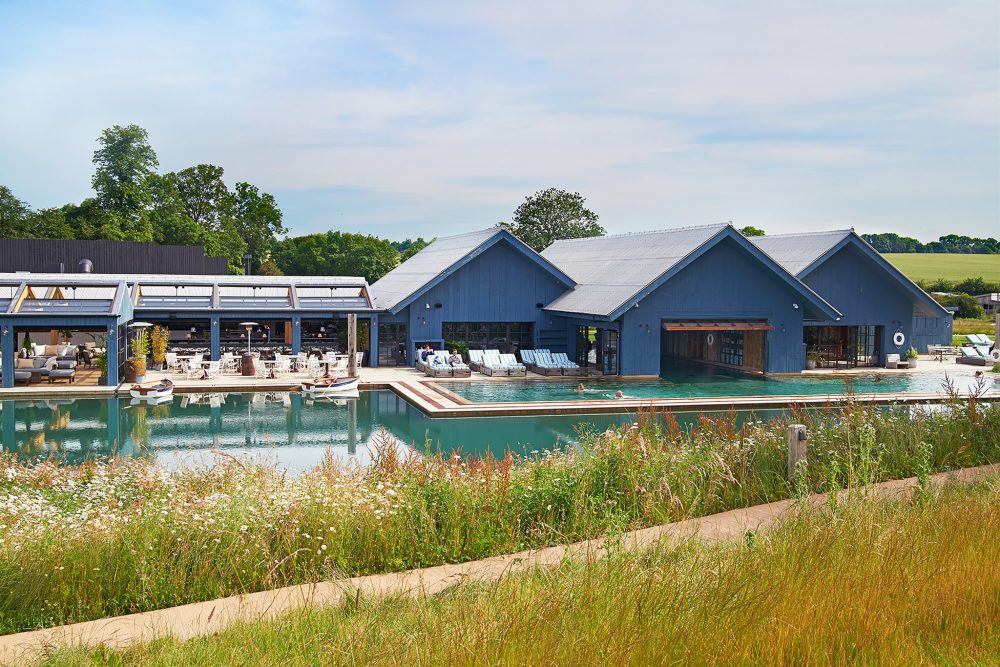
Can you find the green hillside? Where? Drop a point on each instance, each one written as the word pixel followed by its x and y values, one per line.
pixel 931 266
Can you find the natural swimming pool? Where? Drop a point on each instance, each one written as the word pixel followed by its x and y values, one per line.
pixel 701 383
pixel 281 428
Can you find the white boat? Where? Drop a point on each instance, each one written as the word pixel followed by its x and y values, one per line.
pixel 149 391
pixel 328 386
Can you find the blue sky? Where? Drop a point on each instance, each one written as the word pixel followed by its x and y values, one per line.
pixel 423 119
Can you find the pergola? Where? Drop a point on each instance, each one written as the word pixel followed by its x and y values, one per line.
pixel 108 303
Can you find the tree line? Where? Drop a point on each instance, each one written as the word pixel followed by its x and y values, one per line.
pixel 950 243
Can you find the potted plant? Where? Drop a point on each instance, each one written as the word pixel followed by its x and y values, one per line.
pixel 911 357
pixel 135 367
pixel 26 345
pixel 159 339
pixel 67 335
pixel 102 364
pixel 813 357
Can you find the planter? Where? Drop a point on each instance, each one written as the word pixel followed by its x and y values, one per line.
pixel 156 366
pixel 911 362
pixel 810 365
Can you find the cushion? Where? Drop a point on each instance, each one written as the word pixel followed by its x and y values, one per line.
pixel 25 363
pixel 90 346
pixel 37 350
pixel 67 350
pixel 51 350
pixel 41 362
pixel 51 363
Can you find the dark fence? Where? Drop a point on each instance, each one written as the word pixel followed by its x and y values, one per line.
pixel 58 256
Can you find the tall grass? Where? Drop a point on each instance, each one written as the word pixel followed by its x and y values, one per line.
pixel 79 543
pixel 867 582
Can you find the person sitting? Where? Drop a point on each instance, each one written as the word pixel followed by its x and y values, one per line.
pixel 455 359
pixel 426 352
pixel 436 360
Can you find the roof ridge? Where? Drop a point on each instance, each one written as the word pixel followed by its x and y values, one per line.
pixel 717 225
pixel 494 228
pixel 789 234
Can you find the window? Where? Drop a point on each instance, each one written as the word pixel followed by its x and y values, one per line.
pixel 392 344
pixel 731 351
pixel 504 336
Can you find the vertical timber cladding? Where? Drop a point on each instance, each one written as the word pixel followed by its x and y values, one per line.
pixel 740 345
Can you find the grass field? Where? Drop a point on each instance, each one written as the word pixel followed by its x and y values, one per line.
pixel 83 542
pixel 931 266
pixel 866 582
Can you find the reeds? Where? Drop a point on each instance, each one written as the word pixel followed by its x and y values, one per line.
pixel 867 581
pixel 83 542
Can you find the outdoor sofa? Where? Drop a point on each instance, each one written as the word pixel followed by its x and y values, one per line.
pixel 439 367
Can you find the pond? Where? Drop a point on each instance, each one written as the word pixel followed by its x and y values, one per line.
pixel 280 428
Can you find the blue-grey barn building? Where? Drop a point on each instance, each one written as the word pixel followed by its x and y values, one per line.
pixel 881 310
pixel 638 304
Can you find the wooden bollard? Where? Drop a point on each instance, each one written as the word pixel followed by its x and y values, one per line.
pixel 796 447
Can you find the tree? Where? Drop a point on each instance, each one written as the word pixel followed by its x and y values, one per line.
pixel 258 222
pixel 124 162
pixel 550 215
pixel 204 196
pixel 335 254
pixel 410 247
pixel 13 215
pixel 965 305
pixel 50 223
pixel 750 230
pixel 169 220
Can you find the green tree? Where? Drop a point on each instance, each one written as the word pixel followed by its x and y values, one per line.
pixel 169 220
pixel 13 215
pixel 50 223
pixel 124 162
pixel 89 221
pixel 204 196
pixel 750 230
pixel 410 247
pixel 258 221
pixel 550 215
pixel 335 254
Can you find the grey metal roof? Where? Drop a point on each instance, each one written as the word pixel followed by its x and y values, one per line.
pixel 418 271
pixel 611 270
pixel 153 292
pixel 796 252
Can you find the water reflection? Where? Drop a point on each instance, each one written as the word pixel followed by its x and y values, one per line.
pixel 281 428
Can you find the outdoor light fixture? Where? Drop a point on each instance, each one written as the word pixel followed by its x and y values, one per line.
pixel 427 306
pixel 249 326
pixel 194 329
pixel 795 306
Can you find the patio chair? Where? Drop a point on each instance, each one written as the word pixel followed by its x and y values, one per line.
pixel 282 366
pixel 492 365
pixel 569 367
pixel 545 364
pixel 528 357
pixel 514 367
pixel 970 356
pixel 438 366
pixel 475 359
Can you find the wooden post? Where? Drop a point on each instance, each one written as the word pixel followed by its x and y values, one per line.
pixel 796 448
pixel 352 427
pixel 996 333
pixel 352 345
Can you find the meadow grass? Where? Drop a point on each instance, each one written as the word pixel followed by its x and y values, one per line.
pixel 862 581
pixel 83 542
pixel 954 267
pixel 962 326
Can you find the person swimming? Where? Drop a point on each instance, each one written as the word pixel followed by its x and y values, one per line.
pixel 619 394
pixel 580 388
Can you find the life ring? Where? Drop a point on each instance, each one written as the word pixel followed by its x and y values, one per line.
pixel 898 339
pixel 995 355
pixel 710 339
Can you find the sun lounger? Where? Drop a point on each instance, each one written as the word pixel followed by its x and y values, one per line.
pixel 475 359
pixel 545 364
pixel 492 365
pixel 569 367
pixel 527 357
pixel 514 367
pixel 437 366
pixel 970 355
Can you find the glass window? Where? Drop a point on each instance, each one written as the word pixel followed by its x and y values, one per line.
pixel 504 336
pixel 731 352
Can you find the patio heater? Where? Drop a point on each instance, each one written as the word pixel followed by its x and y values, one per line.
pixel 246 363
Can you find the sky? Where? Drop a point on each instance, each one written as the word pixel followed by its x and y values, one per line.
pixel 426 119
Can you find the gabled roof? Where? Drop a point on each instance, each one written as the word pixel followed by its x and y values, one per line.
pixel 612 272
pixel 803 253
pixel 797 252
pixel 445 255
